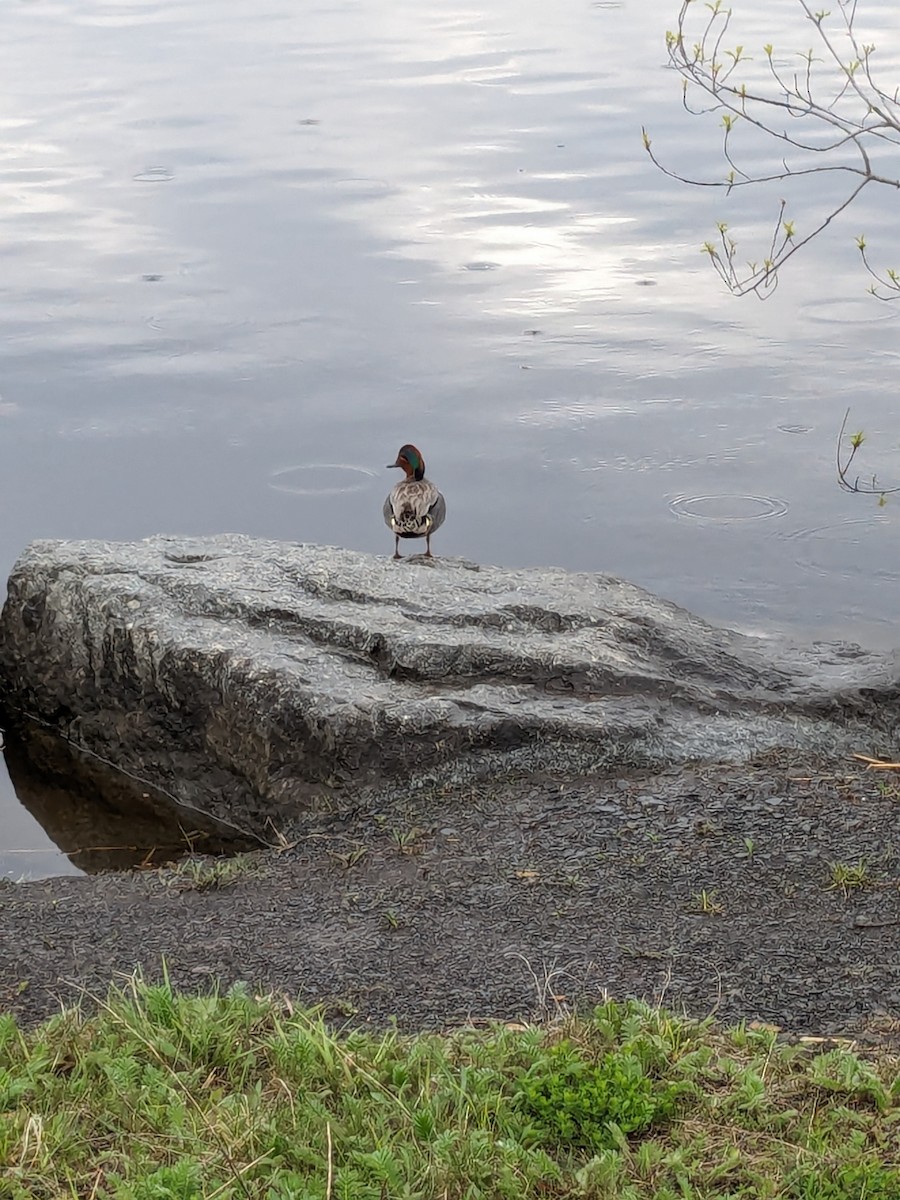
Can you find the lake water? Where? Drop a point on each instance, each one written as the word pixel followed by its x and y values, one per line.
pixel 250 248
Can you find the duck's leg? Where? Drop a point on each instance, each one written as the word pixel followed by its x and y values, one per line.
pixel 428 553
pixel 397 553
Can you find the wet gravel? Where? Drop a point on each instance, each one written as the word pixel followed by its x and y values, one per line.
pixel 710 889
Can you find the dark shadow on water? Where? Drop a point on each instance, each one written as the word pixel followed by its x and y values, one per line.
pixel 101 819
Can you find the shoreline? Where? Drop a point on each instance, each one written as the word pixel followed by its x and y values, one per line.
pixel 768 891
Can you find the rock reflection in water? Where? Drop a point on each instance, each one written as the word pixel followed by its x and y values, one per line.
pixel 101 819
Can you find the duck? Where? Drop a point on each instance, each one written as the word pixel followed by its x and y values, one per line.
pixel 414 507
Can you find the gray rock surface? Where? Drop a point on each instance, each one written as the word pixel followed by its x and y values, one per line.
pixel 250 678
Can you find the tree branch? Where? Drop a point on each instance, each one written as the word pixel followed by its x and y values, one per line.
pixel 858 112
pixel 872 488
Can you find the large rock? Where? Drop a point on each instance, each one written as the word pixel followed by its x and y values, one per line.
pixel 247 677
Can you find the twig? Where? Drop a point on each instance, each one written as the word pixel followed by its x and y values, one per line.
pixel 873 488
pixel 877 764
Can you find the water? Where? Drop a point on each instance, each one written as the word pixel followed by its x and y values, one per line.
pixel 250 249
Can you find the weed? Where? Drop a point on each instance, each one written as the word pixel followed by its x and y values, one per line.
pixel 349 858
pixel 707 902
pixel 207 874
pixel 576 1102
pixel 707 829
pixel 849 876
pixel 406 839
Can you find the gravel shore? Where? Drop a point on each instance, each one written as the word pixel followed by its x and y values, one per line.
pixel 712 888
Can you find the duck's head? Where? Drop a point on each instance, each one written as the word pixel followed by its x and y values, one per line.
pixel 412 462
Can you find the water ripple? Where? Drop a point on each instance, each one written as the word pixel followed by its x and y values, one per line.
pixel 728 508
pixel 851 549
pixel 320 479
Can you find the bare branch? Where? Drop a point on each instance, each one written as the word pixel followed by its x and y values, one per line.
pixel 844 461
pixel 835 95
pixel 886 285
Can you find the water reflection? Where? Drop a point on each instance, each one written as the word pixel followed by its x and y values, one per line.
pixel 100 819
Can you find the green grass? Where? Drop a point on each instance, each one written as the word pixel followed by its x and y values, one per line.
pixel 849 877
pixel 162 1096
pixel 209 874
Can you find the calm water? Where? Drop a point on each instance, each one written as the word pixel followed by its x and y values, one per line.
pixel 249 248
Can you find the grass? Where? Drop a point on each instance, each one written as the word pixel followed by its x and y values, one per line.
pixel 208 874
pixel 162 1096
pixel 707 902
pixel 349 858
pixel 407 840
pixel 849 877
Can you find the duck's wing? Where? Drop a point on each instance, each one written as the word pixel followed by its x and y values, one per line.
pixel 437 511
pixel 388 511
